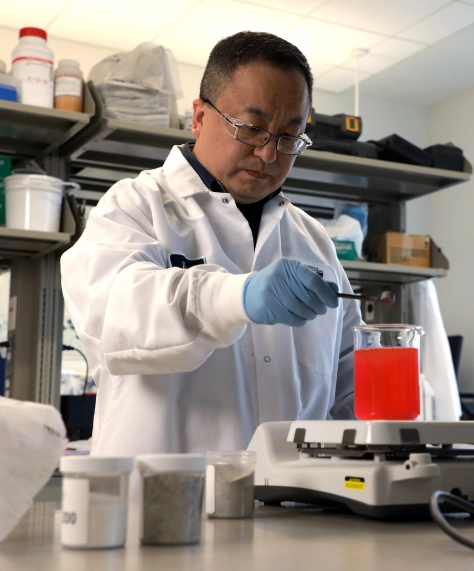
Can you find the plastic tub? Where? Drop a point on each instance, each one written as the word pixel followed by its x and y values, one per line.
pixel 33 201
pixel 172 489
pixel 230 484
pixel 94 501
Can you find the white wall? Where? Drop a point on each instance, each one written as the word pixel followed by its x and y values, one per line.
pixel 452 226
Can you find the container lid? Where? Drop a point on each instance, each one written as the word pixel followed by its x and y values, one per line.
pixel 38 32
pixel 33 182
pixel 95 464
pixel 68 63
pixel 171 462
pixel 232 457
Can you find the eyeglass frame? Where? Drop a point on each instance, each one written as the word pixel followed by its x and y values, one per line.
pixel 237 124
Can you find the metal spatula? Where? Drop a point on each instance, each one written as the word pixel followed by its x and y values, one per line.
pixel 387 298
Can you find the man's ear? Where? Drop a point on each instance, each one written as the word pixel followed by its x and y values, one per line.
pixel 198 117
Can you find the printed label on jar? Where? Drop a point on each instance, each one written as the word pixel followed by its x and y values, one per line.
pixel 75 512
pixel 68 86
pixel 210 489
pixel 36 79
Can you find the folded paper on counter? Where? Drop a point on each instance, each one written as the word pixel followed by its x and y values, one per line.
pixel 32 440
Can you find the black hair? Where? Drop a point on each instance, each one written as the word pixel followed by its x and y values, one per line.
pixel 247 47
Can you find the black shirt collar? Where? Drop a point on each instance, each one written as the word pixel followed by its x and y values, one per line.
pixel 207 178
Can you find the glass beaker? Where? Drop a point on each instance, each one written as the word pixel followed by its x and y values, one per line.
pixel 387 371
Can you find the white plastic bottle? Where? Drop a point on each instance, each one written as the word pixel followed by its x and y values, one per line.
pixel 33 66
pixel 68 85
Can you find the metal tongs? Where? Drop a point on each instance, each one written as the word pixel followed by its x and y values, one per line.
pixel 387 298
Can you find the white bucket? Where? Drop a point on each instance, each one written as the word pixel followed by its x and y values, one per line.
pixel 33 202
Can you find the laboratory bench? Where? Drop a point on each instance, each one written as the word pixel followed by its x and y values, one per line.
pixel 283 538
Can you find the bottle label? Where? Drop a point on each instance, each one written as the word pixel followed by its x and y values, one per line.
pixel 36 80
pixel 75 511
pixel 210 489
pixel 68 86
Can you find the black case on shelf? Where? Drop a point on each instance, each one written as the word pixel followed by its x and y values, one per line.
pixel 446 157
pixel 353 148
pixel 396 149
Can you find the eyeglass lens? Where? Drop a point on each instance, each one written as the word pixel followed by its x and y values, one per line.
pixel 258 137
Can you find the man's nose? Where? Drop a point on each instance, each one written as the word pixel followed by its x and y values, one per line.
pixel 268 152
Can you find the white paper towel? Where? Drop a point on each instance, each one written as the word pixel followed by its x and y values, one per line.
pixel 435 355
pixel 32 440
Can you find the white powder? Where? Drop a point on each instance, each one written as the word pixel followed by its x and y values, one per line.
pixel 107 520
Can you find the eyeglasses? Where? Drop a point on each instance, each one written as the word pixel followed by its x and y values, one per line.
pixel 258 137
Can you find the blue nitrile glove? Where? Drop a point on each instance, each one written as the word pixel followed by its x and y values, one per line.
pixel 289 292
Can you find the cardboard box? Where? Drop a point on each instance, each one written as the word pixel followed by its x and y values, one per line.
pixel 5 170
pixel 405 250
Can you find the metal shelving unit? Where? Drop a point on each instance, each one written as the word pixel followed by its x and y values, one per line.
pixel 363 272
pixel 27 131
pixel 33 368
pixel 96 151
pixel 29 244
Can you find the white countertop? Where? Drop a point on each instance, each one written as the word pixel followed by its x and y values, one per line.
pixel 276 539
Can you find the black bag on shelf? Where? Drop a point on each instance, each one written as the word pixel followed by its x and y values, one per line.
pixel 446 157
pixel 396 149
pixel 353 148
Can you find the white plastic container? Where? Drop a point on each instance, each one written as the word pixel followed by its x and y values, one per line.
pixel 68 86
pixel 230 489
pixel 33 201
pixel 172 490
pixel 33 66
pixel 94 501
pixel 9 85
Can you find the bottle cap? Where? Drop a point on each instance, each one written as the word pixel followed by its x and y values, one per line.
pixel 68 63
pixel 38 32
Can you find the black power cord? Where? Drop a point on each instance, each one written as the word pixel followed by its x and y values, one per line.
pixel 439 518
pixel 71 348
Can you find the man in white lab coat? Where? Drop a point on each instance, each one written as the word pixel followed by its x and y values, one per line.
pixel 206 300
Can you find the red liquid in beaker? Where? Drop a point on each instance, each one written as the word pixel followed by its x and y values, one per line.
pixel 386 383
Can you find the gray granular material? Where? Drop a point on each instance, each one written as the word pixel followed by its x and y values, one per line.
pixel 234 491
pixel 172 508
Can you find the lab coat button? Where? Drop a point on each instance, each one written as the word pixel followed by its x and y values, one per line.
pixel 282 203
pixel 267 359
pixel 225 200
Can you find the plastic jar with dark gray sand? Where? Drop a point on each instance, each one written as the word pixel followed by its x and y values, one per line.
pixel 172 487
pixel 230 484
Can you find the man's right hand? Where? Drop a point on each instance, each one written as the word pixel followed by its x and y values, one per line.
pixel 289 292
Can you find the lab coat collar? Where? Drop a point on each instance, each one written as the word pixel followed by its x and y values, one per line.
pixel 190 183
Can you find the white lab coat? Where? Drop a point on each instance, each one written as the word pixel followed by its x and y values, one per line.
pixel 178 365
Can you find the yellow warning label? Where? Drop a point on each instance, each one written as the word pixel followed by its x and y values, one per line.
pixel 352 483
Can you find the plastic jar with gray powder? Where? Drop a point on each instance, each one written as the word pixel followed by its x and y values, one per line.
pixel 230 484
pixel 172 488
